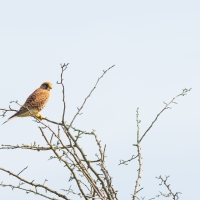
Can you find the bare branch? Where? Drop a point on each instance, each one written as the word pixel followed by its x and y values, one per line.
pixel 87 161
pixel 26 190
pixel 183 93
pixel 34 148
pixel 4 110
pixel 63 68
pixel 74 155
pixel 84 102
pixel 124 162
pixel 51 121
pixel 137 185
pixel 71 170
pixel 172 194
pixel 22 170
pixel 112 192
pixel 34 184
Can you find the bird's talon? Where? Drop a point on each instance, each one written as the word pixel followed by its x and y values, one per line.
pixel 39 116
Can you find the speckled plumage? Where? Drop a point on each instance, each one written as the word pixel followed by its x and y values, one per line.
pixel 35 102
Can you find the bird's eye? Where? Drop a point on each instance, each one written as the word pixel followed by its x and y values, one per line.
pixel 45 86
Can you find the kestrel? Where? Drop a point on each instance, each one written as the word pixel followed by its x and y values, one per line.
pixel 35 102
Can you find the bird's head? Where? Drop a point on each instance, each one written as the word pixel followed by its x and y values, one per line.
pixel 46 86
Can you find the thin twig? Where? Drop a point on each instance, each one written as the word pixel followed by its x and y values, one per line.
pixel 34 184
pixel 164 181
pixel 124 162
pixel 63 68
pixel 71 170
pixel 22 170
pixel 137 185
pixel 26 190
pixel 183 93
pixel 35 148
pixel 88 163
pixel 77 159
pixel 51 121
pixel 84 102
pixel 112 192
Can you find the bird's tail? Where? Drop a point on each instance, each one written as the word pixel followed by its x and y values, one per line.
pixel 12 117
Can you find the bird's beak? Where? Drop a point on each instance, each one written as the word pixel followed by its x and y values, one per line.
pixel 50 87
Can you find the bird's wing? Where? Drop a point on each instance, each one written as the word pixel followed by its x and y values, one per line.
pixel 37 100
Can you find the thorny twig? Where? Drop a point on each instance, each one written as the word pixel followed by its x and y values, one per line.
pixel 66 163
pixel 183 93
pixel 84 102
pixel 170 194
pixel 32 147
pixel 26 190
pixel 89 166
pixel 63 68
pixel 4 110
pixel 76 158
pixel 124 162
pixel 137 185
pixel 78 194
pixel 35 184
pixel 108 179
pixel 22 170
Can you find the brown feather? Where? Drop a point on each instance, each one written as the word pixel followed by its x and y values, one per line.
pixel 35 102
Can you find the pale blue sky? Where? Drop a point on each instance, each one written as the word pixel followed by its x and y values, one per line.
pixel 155 47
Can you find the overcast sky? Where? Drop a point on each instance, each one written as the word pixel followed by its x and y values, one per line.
pixel 154 46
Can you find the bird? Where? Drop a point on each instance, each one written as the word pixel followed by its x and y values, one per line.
pixel 35 102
